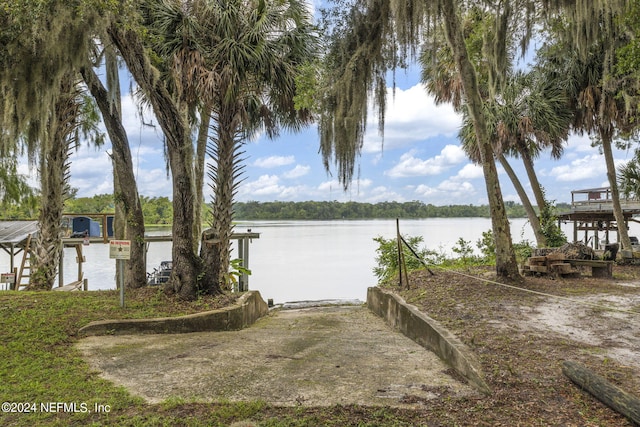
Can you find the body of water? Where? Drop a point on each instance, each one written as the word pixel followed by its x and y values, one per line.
pixel 307 260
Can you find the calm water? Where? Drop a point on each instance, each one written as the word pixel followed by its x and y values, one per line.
pixel 306 260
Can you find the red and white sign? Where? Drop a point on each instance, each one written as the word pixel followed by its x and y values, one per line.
pixel 120 249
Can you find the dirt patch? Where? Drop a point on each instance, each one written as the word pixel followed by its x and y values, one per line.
pixel 521 339
pixel 315 357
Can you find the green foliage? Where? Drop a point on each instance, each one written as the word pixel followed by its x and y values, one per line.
pixel 100 203
pixel 628 55
pixel 236 270
pixel 387 257
pixel 354 210
pixel 629 177
pixel 549 224
pixel 523 250
pixel 463 249
pixel 487 246
pixel 157 210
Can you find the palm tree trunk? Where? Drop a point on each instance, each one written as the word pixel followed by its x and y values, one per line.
pixel 53 182
pixel 615 193
pixel 506 265
pixel 541 240
pixel 216 254
pixel 533 179
pixel 125 189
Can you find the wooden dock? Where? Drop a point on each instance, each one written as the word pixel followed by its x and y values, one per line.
pixel 592 213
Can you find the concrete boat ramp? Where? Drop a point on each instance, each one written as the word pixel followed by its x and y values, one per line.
pixel 311 355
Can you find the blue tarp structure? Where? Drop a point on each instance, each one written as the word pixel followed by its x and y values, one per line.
pixel 82 224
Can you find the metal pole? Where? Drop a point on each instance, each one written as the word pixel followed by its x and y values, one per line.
pixel 121 265
pixel 245 263
pixel 61 268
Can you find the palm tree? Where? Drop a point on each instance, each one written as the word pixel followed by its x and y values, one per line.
pixel 597 100
pixel 524 116
pixel 258 49
pixel 173 120
pixel 54 174
pixel 377 36
pixel 42 50
pixel 236 63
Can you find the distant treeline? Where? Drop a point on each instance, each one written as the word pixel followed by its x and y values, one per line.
pixel 357 210
pixel 159 210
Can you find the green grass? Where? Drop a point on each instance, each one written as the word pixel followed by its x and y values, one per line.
pixel 40 365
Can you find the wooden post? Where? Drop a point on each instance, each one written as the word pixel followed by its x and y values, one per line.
pixel 401 264
pixel 612 396
pixel 81 259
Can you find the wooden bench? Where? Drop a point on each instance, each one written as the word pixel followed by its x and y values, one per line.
pixel 602 269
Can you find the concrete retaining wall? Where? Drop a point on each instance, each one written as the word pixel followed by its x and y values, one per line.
pixel 249 308
pixel 428 333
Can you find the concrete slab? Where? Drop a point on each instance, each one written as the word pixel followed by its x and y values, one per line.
pixel 318 356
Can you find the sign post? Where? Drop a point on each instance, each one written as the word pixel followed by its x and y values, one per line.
pixel 120 250
pixel 9 279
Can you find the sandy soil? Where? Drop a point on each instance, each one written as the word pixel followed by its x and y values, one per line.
pixel 585 320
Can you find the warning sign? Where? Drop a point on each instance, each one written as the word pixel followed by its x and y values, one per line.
pixel 120 249
pixel 7 278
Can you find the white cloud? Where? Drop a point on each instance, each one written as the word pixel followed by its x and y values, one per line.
pixel 580 169
pixel 448 191
pixel 156 183
pixel 91 172
pixel 470 171
pixel 274 161
pixel 411 115
pixel 580 143
pixel 412 166
pixel 297 172
pixel 269 187
pixel 381 194
pixel 264 185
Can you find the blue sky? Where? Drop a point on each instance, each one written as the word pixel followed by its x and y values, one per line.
pixel 420 159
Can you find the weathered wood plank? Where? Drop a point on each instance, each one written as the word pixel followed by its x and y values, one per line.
pixel 561 268
pixel 555 256
pixel 612 396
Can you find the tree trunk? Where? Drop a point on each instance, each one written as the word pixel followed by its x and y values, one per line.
pixel 533 179
pixel 615 194
pixel 506 266
pixel 186 264
pixel 603 390
pixel 201 149
pixel 54 175
pixel 125 189
pixel 541 240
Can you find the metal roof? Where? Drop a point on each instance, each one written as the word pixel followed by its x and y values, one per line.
pixel 14 232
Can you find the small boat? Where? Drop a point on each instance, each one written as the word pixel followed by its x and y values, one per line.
pixel 160 275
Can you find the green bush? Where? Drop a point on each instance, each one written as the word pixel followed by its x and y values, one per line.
pixel 387 257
